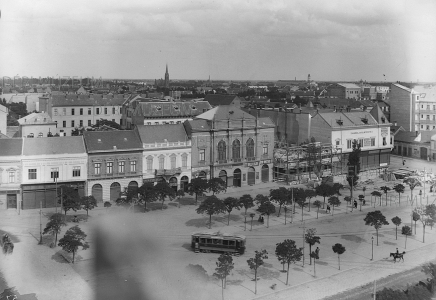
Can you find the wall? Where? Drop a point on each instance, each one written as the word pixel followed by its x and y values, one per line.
pixel 3 119
pixel 402 108
pixel 25 130
pixel 320 130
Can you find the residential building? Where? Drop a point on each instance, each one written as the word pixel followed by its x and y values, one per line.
pixel 223 99
pixel 167 154
pixel 344 90
pixel 114 163
pixel 10 173
pixel 36 125
pixel 140 111
pixel 231 144
pixel 49 163
pixel 3 119
pixel 416 144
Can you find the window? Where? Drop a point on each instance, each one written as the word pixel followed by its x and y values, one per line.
pixel 97 168
pixel 40 134
pixel 384 141
pixel 54 173
pixel 236 150
pixel 349 144
pixel 64 123
pixel 89 122
pixel 97 110
pixel 89 111
pixel 372 141
pixel 422 106
pixel 250 148
pixel 109 167
pixel 55 111
pixel 428 127
pixel 150 163
pixel 428 107
pixel 133 166
pixel 161 162
pixel 265 149
pixel 434 107
pixel 76 171
pixel 64 111
pixel 222 151
pixel 32 174
pixel 422 126
pixel 171 122
pixel 105 110
pixel 81 123
pixel 81 111
pixel 184 161
pixel 422 116
pixel 338 142
pixel 434 117
pixel 113 110
pixel 72 123
pixel 202 155
pixel 121 166
pixel 11 177
pixel 428 117
pixel 72 111
pixel 361 142
pixel 173 162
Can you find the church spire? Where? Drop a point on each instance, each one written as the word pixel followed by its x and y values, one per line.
pixel 167 77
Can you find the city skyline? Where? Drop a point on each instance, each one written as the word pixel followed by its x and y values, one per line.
pixel 237 40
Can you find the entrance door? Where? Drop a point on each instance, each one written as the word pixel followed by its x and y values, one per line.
pixel 251 176
pixel 423 153
pixel 237 177
pixel 12 200
pixel 173 183
pixel 184 183
pixel 265 173
pixel 97 192
pixel 115 191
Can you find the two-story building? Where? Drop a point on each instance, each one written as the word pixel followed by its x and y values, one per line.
pixel 114 162
pixel 48 163
pixel 167 154
pixel 10 173
pixel 344 90
pixel 233 145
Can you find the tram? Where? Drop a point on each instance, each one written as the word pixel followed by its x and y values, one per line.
pixel 218 242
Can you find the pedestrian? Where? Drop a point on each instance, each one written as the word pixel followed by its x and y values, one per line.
pixel 363 202
pixel 404 162
pixel 328 209
pixel 355 204
pixel 317 252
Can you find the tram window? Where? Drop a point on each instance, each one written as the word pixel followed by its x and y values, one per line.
pixel 203 240
pixel 231 243
pixel 216 242
pixel 209 241
pixel 225 243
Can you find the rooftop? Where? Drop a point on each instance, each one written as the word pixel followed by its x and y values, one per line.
pixel 53 145
pixel 35 118
pixel 108 141
pixel 162 133
pixel 11 147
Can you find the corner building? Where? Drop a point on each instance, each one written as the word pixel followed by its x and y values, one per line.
pixel 233 145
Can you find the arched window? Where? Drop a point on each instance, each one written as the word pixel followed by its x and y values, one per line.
pixel 250 149
pixel 221 150
pixel 149 163
pixel 236 150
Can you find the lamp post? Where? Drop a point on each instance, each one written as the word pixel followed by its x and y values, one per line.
pixel 55 178
pixel 252 216
pixel 372 248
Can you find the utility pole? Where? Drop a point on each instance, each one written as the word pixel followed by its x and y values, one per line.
pixel 40 223
pixel 304 234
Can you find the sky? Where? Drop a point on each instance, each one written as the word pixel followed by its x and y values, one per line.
pixel 390 40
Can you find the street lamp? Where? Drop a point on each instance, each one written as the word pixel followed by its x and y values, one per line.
pixel 252 216
pixel 372 248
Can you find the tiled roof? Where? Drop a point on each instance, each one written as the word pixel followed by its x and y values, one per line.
pixel 377 114
pixel 107 141
pixel 35 118
pixel 170 109
pixel 406 136
pixel 349 119
pixel 54 145
pixel 87 100
pixel 349 85
pixel 11 147
pixel 219 99
pixel 160 133
pixel 225 112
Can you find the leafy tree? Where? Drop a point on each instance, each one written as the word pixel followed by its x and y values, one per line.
pixel 339 249
pixel 415 217
pixel 69 198
pixel 399 188
pixel 418 292
pixel 88 203
pixel 364 190
pixel 317 204
pixel 412 182
pixel 324 190
pixel 430 269
pixel 299 196
pixel 73 239
pixel 406 230
pixel 390 294
pixel 334 201
pixel 147 194
pixel 216 185
pixel 261 199
pixel 224 266
pixel 255 262
pixel 197 186
pixel 337 188
pixel 348 200
pixel 247 202
pixel 301 203
pixel 211 206
pixel 426 216
pixel 230 203
pixel 375 219
pixel 315 256
pixel 354 162
pixel 397 222
pixel 280 196
pixel 164 190
pixel 107 204
pixel 288 253
pixel 54 226
pixel 376 194
pixel 311 239
pixel 385 189
pixel 310 194
pixel 267 208
pixel 361 198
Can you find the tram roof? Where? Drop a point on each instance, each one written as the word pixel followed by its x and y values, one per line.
pixel 218 234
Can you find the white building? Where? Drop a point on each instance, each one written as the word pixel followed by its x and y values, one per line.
pixel 45 159
pixel 36 125
pixel 3 119
pixel 167 154
pixel 10 173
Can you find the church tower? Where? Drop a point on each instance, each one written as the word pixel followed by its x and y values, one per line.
pixel 167 78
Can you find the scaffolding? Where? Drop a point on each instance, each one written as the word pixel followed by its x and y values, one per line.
pixel 300 164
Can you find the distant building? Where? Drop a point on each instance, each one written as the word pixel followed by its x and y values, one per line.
pixel 344 90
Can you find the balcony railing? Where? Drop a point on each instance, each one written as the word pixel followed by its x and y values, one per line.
pixel 168 171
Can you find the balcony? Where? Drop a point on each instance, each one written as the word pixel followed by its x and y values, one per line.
pixel 250 158
pixel 224 161
pixel 166 172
